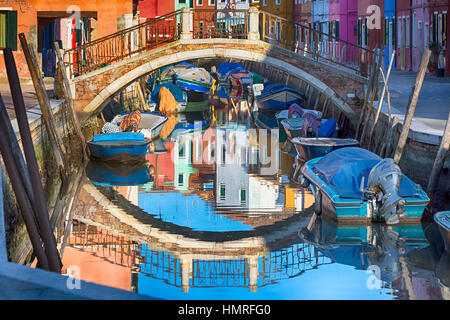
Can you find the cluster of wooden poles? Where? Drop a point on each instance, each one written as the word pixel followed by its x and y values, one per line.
pixel 367 137
pixel 24 175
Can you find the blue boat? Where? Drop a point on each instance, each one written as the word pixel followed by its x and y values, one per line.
pixel 187 128
pixel 122 146
pixel 276 97
pixel 113 175
pixel 354 183
pixel 310 148
pixel 443 221
pixel 225 69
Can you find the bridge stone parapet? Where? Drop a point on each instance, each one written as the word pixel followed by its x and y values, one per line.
pixel 333 82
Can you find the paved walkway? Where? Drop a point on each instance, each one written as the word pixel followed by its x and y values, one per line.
pixel 434 100
pixel 28 92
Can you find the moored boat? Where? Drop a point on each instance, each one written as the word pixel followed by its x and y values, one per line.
pixel 195 81
pixel 153 122
pixel 443 221
pixel 119 147
pixel 179 95
pixel 310 148
pixel 355 183
pixel 276 97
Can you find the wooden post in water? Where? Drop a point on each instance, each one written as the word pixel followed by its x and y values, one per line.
pixel 69 99
pixel 47 114
pixel 412 105
pixel 386 146
pixel 33 168
pixel 440 159
pixel 380 103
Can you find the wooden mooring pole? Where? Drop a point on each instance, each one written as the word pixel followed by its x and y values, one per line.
pixel 440 159
pixel 412 105
pixel 69 99
pixel 44 102
pixel 33 168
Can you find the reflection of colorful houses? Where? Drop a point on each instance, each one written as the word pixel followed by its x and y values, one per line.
pixel 164 168
pixel 183 160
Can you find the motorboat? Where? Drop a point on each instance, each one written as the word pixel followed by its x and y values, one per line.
pixel 355 183
pixel 310 148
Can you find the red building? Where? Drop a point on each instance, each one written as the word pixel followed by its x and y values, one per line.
pixel 149 9
pixel 403 9
pixel 370 23
pixel 439 21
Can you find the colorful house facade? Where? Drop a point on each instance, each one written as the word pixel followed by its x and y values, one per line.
pixel 439 22
pixel 389 31
pixel 403 10
pixel 72 22
pixel 369 29
pixel 149 9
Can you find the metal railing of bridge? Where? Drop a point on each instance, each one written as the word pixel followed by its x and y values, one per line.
pixel 315 44
pixel 275 266
pixel 206 24
pixel 123 44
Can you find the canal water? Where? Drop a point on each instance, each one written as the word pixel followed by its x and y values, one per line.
pixel 212 214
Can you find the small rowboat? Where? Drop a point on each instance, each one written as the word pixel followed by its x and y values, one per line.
pixel 310 148
pixel 443 220
pixel 119 147
pixel 151 121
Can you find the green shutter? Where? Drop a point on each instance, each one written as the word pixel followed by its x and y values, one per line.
pixel 11 24
pixel 337 29
pixel 2 30
pixel 359 31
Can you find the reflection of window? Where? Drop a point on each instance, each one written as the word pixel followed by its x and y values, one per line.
pixel 180 179
pixel 243 195
pixel 181 150
pixel 8 29
pixel 222 191
pixel 181 1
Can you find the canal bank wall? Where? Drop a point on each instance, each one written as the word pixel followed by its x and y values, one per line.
pixel 17 239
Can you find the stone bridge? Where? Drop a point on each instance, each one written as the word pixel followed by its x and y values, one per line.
pixel 325 70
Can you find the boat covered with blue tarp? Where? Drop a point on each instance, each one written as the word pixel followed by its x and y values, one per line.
pixel 343 181
pixel 276 96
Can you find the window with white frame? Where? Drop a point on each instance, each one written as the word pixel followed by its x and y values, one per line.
pixel 199 3
pixel 211 2
pixel 277 2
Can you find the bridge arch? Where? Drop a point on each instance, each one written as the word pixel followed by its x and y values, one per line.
pixel 111 79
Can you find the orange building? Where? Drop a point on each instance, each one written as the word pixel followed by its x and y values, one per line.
pixel 96 18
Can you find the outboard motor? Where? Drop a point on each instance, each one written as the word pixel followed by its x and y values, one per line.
pixel 383 182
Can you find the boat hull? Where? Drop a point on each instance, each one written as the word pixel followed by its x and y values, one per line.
pixel 443 221
pixel 310 148
pixel 330 203
pixel 118 147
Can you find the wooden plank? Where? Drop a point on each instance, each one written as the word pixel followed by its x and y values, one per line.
pixel 440 159
pixel 412 105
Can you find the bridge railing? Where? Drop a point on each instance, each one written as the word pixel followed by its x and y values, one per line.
pixel 209 23
pixel 123 44
pixel 315 44
pixel 202 24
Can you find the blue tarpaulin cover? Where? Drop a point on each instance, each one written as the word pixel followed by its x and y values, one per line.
pixel 174 90
pixel 342 171
pixel 226 67
pixel 327 129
